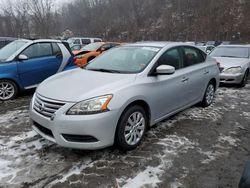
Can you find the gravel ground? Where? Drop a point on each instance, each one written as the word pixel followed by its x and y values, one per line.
pixel 196 148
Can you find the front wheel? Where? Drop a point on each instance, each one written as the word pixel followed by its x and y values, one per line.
pixel 209 95
pixel 131 128
pixel 8 90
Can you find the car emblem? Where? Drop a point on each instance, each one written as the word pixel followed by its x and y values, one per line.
pixel 41 107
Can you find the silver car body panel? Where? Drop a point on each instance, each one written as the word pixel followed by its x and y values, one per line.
pixel 164 94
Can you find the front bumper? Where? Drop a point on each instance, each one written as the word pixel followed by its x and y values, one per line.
pixel 231 78
pixel 101 126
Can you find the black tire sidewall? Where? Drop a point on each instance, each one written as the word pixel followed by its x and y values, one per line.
pixel 15 88
pixel 120 138
pixel 244 81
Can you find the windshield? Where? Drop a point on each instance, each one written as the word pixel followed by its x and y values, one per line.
pixel 10 49
pixel 92 46
pixel 235 52
pixel 124 60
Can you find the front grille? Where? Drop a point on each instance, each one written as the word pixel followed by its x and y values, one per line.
pixel 43 129
pixel 46 107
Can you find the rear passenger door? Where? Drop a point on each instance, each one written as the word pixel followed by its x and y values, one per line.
pixel 44 60
pixel 196 72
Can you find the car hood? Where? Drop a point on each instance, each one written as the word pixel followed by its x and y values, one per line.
pixel 79 84
pixel 227 62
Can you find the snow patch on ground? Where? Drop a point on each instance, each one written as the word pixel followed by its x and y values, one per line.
pixel 171 146
pixel 14 118
pixel 246 115
pixel 17 151
pixel 223 144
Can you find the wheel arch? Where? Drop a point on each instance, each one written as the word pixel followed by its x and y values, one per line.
pixel 19 87
pixel 213 80
pixel 139 102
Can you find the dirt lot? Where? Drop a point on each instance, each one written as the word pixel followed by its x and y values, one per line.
pixel 196 148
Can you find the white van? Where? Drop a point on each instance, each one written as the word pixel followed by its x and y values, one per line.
pixel 82 40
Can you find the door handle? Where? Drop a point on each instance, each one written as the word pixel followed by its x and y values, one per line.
pixel 184 79
pixel 206 72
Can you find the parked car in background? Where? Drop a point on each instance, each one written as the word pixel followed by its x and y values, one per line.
pixel 122 92
pixel 26 63
pixel 6 40
pixel 207 49
pixel 82 40
pixel 234 63
pixel 89 52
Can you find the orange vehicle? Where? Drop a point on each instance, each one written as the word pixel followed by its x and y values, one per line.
pixel 90 51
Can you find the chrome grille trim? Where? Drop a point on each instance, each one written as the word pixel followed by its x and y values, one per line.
pixel 46 107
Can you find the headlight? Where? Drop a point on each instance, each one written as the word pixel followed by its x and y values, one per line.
pixel 233 70
pixel 91 106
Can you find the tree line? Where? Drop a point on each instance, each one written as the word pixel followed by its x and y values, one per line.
pixel 129 20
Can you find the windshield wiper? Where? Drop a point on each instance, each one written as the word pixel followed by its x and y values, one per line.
pixel 105 70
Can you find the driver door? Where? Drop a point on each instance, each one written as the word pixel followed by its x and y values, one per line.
pixel 169 91
pixel 41 64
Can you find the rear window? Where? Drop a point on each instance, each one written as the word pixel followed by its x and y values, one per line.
pixel 56 49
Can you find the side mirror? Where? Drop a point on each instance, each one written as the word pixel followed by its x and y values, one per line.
pixel 165 69
pixel 22 57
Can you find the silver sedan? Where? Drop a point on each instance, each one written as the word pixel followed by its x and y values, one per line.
pixel 234 63
pixel 117 96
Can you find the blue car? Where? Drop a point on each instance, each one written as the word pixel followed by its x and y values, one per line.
pixel 26 63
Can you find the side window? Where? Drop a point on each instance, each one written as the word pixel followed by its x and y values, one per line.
pixel 106 46
pixel 97 40
pixel 171 57
pixel 77 41
pixel 114 45
pixel 192 56
pixel 56 49
pixel 38 50
pixel 86 41
pixel 44 49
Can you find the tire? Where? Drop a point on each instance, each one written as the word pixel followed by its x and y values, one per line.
pixel 131 128
pixel 245 79
pixel 8 90
pixel 209 95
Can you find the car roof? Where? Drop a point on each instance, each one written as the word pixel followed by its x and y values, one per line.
pixel 158 44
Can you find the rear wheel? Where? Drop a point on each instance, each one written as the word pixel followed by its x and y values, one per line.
pixel 8 90
pixel 209 95
pixel 245 79
pixel 131 128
